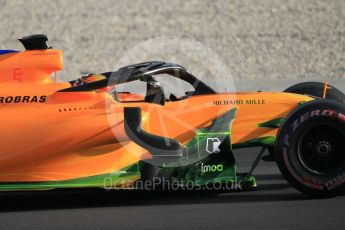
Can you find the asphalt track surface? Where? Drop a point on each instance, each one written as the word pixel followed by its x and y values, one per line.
pixel 274 205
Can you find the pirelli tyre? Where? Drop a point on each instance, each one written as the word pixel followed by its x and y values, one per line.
pixel 316 89
pixel 310 148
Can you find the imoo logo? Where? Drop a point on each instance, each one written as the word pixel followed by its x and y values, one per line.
pixel 212 168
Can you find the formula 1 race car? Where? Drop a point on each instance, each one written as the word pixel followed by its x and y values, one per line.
pixel 88 133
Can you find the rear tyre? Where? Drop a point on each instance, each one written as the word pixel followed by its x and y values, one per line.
pixel 315 89
pixel 310 148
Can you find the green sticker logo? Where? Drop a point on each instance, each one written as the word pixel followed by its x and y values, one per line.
pixel 211 168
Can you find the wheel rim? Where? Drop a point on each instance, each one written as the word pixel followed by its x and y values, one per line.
pixel 321 149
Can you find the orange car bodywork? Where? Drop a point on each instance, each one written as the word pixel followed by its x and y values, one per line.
pixel 56 136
